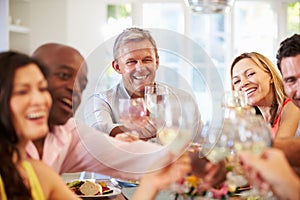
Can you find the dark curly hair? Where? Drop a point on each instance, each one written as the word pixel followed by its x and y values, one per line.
pixel 13 183
pixel 288 48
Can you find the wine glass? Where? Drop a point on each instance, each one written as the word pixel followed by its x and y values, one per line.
pixel 217 138
pixel 155 96
pixel 241 130
pixel 236 103
pixel 253 135
pixel 238 134
pixel 222 138
pixel 235 98
pixel 132 113
pixel 245 133
pixel 180 126
pixel 214 145
pixel 180 122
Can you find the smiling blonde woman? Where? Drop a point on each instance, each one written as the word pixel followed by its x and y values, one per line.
pixel 255 74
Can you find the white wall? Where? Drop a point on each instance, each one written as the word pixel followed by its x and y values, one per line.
pixel 73 22
pixel 4 25
pixel 48 22
pixel 84 24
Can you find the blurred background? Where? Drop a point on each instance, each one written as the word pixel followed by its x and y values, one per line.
pixel 222 32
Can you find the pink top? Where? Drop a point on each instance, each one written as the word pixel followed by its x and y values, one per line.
pixel 75 147
pixel 277 120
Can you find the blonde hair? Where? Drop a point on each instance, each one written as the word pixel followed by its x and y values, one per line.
pixel 267 66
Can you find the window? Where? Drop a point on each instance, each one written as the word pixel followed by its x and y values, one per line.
pixel 119 17
pixel 293 18
pixel 250 26
pixel 164 15
pixel 255 28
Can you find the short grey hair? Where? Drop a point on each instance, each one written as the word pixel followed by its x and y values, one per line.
pixel 133 34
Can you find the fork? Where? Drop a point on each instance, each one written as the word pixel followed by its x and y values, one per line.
pixel 117 185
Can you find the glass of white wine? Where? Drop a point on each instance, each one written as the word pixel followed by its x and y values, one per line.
pixel 241 130
pixel 218 139
pixel 214 143
pixel 180 122
pixel 154 95
pixel 180 126
pixel 254 135
pixel 235 98
pixel 155 99
pixel 132 113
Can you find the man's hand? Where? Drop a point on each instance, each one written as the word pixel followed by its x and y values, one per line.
pixel 126 137
pixel 144 129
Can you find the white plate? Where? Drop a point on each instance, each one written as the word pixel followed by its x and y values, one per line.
pixel 115 192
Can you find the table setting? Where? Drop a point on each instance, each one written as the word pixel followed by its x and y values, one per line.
pixel 240 130
pixel 99 186
pixel 174 119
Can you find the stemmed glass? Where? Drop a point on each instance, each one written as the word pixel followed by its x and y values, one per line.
pixel 155 99
pixel 235 98
pixel 241 130
pixel 132 113
pixel 214 145
pixel 155 95
pixel 180 126
pixel 254 135
pixel 178 121
pixel 217 139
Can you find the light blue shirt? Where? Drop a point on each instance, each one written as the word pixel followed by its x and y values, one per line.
pixel 101 108
pixel 100 111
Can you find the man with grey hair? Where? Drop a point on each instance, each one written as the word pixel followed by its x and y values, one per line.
pixel 136 59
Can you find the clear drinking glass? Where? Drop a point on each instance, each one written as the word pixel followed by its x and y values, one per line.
pixel 254 135
pixel 240 130
pixel 180 126
pixel 155 99
pixel 132 112
pixel 179 122
pixel 235 98
pixel 155 95
pixel 215 144
pixel 217 139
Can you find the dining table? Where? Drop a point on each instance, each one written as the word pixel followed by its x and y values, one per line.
pixel 127 191
pixel 117 197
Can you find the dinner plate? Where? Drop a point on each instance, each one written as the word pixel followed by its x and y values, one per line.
pixel 115 192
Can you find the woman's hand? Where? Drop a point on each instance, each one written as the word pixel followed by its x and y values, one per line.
pixel 272 171
pixel 155 181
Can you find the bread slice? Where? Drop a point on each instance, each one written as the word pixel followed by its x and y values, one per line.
pixel 90 188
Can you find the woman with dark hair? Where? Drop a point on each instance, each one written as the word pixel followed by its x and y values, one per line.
pixel 24 108
pixel 24 111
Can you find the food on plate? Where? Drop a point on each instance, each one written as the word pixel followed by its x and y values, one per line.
pixel 89 188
